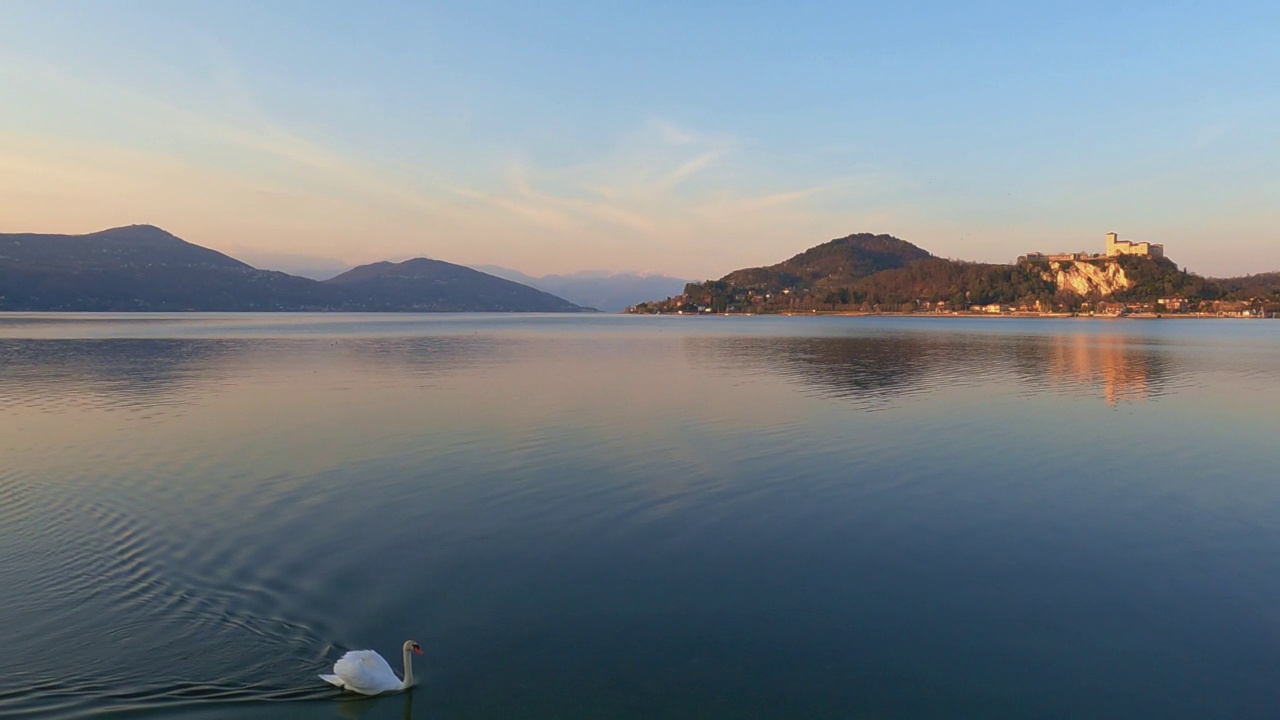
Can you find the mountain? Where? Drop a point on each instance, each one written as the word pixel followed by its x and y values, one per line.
pixel 881 272
pixel 835 263
pixel 609 292
pixel 141 267
pixel 435 286
pixel 144 268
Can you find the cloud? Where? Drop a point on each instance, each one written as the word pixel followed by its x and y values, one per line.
pixel 671 134
pixel 633 191
pixel 690 168
pixel 215 166
pixel 538 212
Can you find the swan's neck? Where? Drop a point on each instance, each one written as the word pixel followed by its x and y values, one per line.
pixel 408 668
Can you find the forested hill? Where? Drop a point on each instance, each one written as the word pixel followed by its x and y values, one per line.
pixel 880 272
pixel 836 263
pixel 1259 285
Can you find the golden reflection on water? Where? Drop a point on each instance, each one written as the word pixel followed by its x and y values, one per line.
pixel 1125 367
pixel 879 372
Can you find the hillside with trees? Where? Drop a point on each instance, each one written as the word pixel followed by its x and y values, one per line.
pixel 836 263
pixel 1251 286
pixel 881 273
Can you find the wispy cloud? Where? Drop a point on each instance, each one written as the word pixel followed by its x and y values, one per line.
pixel 635 191
pixel 664 191
pixel 690 168
pixel 670 134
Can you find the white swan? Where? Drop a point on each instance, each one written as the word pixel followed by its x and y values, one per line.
pixel 365 672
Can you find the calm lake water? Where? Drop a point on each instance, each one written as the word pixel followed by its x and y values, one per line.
pixel 640 517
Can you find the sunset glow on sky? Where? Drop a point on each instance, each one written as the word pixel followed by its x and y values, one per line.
pixel 684 138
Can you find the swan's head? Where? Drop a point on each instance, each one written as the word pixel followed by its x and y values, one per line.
pixel 411 645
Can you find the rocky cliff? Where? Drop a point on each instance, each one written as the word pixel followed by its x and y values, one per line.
pixel 1084 278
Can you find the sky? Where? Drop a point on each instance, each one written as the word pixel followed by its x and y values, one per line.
pixel 687 138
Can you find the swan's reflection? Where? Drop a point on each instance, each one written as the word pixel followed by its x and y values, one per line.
pixel 354 706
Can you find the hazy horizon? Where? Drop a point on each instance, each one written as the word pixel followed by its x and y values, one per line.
pixel 684 141
pixel 323 268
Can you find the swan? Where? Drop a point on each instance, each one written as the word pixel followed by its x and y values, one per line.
pixel 365 672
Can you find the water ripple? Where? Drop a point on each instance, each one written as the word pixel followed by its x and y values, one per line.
pixel 127 623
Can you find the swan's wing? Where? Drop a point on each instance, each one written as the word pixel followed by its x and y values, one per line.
pixel 333 680
pixel 364 671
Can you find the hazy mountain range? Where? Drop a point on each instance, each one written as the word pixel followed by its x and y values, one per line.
pixel 599 289
pixel 144 268
pixel 602 290
pixel 315 267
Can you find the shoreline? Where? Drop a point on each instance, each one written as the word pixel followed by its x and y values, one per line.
pixel 1013 315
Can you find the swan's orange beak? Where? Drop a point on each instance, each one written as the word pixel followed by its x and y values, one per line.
pixel 417 649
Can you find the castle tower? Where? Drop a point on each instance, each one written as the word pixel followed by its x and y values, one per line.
pixel 1112 250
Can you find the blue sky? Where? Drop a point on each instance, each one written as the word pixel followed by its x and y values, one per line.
pixel 686 138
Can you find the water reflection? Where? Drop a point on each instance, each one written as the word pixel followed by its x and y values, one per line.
pixel 358 706
pixel 117 372
pixel 427 357
pixel 871 368
pixel 872 371
pixel 877 370
pixel 153 373
pixel 1122 368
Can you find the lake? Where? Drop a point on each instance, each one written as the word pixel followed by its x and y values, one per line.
pixel 640 517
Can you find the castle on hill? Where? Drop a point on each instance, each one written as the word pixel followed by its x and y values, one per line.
pixel 1115 248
